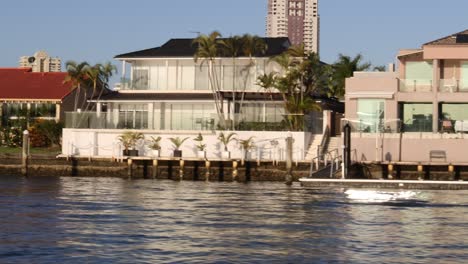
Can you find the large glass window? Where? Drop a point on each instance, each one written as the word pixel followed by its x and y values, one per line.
pixel 140 78
pixel 464 76
pixel 133 116
pixel 201 77
pixel 42 110
pixel 416 117
pixel 190 116
pixel 419 72
pixel 454 111
pixel 371 113
pixel 455 115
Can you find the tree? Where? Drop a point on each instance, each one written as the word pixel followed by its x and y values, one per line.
pixel 76 76
pixel 380 68
pixel 232 47
pixel 107 70
pixel 302 76
pixel 344 68
pixel 208 50
pixel 252 45
pixel 93 74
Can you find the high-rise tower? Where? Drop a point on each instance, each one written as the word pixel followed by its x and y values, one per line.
pixel 41 62
pixel 297 19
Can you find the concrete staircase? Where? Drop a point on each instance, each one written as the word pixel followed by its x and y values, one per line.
pixel 334 143
pixel 312 150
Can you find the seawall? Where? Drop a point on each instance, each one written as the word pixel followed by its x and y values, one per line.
pixel 219 170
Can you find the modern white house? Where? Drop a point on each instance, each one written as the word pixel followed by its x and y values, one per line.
pixel 165 92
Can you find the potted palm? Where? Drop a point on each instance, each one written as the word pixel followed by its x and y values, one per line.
pixel 129 140
pixel 201 148
pixel 246 146
pixel 177 142
pixel 225 139
pixel 155 146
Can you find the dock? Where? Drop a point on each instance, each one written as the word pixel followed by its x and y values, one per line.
pixel 384 184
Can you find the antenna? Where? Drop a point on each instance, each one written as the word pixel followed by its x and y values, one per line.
pixel 195 32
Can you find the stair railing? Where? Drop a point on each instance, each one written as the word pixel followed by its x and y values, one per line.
pixel 323 145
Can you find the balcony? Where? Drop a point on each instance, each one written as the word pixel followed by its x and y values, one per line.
pixel 415 85
pixel 142 120
pixel 373 126
pixel 452 86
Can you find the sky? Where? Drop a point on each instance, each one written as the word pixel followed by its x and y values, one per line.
pixel 97 30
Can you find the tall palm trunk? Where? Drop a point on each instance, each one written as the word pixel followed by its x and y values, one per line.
pixel 215 90
pixel 77 95
pixel 234 91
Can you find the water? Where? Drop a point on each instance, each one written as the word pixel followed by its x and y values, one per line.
pixel 111 220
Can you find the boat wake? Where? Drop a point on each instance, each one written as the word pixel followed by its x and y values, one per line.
pixel 380 196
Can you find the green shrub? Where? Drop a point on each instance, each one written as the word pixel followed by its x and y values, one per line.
pixel 51 130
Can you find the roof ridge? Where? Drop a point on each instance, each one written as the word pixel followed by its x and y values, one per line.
pixel 448 36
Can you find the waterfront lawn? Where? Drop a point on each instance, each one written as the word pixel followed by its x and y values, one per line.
pixel 12 150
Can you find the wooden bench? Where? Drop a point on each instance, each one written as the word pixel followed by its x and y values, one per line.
pixel 437 154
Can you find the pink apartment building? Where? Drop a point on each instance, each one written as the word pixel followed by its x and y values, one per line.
pixel 414 112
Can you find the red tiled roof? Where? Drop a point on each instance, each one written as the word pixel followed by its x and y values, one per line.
pixel 22 83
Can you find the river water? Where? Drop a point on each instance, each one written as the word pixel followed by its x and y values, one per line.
pixel 112 220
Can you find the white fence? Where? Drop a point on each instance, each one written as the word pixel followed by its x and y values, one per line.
pixel 268 146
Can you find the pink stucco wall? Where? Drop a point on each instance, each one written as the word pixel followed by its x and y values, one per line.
pixel 445 52
pixel 371 85
pixel 414 147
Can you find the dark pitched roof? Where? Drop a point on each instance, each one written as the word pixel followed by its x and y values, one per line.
pixel 186 48
pixel 23 84
pixel 117 96
pixel 453 39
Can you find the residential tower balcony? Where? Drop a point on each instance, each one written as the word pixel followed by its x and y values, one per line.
pixel 415 85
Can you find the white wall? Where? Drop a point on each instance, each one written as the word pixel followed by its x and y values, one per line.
pixel 104 143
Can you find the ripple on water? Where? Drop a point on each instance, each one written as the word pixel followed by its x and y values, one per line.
pixel 108 220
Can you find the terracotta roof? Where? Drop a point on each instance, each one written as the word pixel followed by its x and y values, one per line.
pixel 453 39
pixel 23 84
pixel 185 48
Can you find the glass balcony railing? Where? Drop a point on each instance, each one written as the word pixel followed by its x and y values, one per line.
pixel 381 126
pixel 449 85
pixel 453 126
pixel 415 85
pixel 141 120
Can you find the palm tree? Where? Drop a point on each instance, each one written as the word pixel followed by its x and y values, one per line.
pixel 93 74
pixel 107 70
pixel 344 68
pixel 380 68
pixel 76 76
pixel 232 47
pixel 267 81
pixel 303 75
pixel 252 46
pixel 208 50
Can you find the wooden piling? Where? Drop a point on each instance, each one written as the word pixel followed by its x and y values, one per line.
pixel 130 168
pixel 390 170
pixel 155 169
pixel 234 170
pixel 181 169
pixel 207 167
pixel 289 156
pixel 451 171
pixel 420 171
pixel 25 153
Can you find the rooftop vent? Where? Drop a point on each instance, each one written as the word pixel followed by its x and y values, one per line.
pixel 462 38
